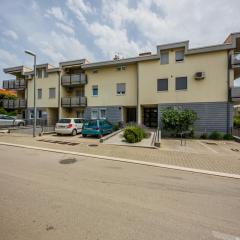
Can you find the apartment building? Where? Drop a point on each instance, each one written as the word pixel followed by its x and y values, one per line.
pixel 136 89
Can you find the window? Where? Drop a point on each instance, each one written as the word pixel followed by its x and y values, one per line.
pixel 45 73
pixel 103 113
pixel 95 90
pixel 162 84
pixel 95 71
pixel 179 56
pixel 39 113
pixel 164 57
pixel 121 88
pixel 52 92
pixel 39 92
pixel 31 114
pixel 79 114
pixel 121 68
pixel 39 73
pixel 94 114
pixel 181 83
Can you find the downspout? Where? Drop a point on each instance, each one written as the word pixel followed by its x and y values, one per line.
pixel 229 93
pixel 59 97
pixel 138 107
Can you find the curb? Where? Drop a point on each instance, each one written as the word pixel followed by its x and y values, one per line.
pixel 110 135
pixel 173 167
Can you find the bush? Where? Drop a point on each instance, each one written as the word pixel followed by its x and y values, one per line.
pixel 134 134
pixel 116 127
pixel 216 136
pixel 204 136
pixel 177 121
pixel 236 121
pixel 3 111
pixel 228 137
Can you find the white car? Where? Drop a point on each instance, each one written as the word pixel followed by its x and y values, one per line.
pixel 7 121
pixel 71 126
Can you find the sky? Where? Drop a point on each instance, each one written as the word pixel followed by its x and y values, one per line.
pixel 59 30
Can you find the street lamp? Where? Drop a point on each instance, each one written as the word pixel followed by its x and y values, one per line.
pixel 34 93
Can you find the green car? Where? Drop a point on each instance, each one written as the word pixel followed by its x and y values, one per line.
pixel 98 127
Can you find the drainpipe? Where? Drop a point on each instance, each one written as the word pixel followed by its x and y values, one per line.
pixel 59 93
pixel 138 104
pixel 229 93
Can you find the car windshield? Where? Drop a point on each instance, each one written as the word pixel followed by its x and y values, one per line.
pixel 64 120
pixel 92 123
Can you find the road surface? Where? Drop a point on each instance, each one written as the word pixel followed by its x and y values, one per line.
pixel 99 199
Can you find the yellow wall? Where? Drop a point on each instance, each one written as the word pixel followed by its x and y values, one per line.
pixel 211 89
pixel 107 79
pixel 45 83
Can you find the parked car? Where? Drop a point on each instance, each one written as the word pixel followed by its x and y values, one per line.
pixel 96 127
pixel 69 126
pixel 6 121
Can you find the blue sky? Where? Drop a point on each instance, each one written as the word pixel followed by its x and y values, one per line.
pixel 59 30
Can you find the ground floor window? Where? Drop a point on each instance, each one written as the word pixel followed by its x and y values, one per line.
pixel 39 113
pixel 94 114
pixel 79 114
pixel 103 113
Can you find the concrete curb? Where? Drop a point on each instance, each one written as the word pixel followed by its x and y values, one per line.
pixel 110 135
pixel 173 167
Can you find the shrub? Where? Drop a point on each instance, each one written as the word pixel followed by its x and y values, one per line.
pixel 177 121
pixel 116 127
pixel 204 136
pixel 228 137
pixel 216 136
pixel 3 111
pixel 134 134
pixel 236 121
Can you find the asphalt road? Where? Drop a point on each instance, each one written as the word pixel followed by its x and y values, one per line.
pixel 99 199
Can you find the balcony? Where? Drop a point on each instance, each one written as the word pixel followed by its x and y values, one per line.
pixel 235 94
pixel 70 102
pixel 72 80
pixel 14 104
pixel 14 84
pixel 236 60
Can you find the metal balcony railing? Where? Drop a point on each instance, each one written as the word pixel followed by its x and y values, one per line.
pixel 235 93
pixel 74 101
pixel 72 80
pixel 18 84
pixel 14 104
pixel 236 59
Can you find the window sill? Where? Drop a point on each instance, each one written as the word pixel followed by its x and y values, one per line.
pixel 162 91
pixel 94 95
pixel 180 90
pixel 179 61
pixel 120 94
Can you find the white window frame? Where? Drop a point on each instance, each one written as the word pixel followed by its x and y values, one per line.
pixel 94 110
pixel 120 93
pixel 181 60
pixel 161 53
pixel 38 93
pixel 100 113
pixel 54 93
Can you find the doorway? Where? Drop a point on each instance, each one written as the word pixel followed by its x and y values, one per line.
pixel 150 117
pixel 131 115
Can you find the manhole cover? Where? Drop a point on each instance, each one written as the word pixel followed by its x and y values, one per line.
pixel 93 145
pixel 68 161
pixel 211 143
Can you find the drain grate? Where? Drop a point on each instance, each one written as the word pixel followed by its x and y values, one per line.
pixel 93 145
pixel 68 161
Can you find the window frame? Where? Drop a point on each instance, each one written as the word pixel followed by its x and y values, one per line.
pixel 161 79
pixel 181 60
pixel 121 93
pixel 38 91
pixel 94 110
pixel 49 95
pixel 100 114
pixel 162 53
pixel 182 89
pixel 94 87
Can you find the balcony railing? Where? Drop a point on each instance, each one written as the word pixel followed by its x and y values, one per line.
pixel 14 104
pixel 72 80
pixel 14 84
pixel 74 102
pixel 235 93
pixel 236 59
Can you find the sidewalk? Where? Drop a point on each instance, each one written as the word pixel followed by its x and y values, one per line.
pixel 223 157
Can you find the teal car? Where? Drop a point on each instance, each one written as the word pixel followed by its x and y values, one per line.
pixel 98 127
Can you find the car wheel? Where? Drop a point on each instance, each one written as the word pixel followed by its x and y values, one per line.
pixel 74 132
pixel 84 135
pixel 59 134
pixel 21 124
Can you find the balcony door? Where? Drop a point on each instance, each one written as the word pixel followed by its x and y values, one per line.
pixel 80 92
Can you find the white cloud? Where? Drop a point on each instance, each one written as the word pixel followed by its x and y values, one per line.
pixel 10 34
pixel 67 29
pixel 58 14
pixel 7 58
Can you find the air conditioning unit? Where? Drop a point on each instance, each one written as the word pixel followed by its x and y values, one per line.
pixel 199 75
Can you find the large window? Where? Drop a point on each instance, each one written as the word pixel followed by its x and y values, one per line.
pixel 179 56
pixel 52 92
pixel 94 114
pixel 164 57
pixel 45 73
pixel 121 88
pixel 95 90
pixel 39 73
pixel 103 113
pixel 162 84
pixel 181 83
pixel 39 93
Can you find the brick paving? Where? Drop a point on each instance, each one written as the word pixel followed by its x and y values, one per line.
pixel 206 155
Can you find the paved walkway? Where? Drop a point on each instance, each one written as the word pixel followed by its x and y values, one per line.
pixel 206 155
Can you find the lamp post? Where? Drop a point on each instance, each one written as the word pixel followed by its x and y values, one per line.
pixel 34 93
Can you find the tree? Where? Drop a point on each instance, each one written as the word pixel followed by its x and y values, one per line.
pixel 6 94
pixel 176 120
